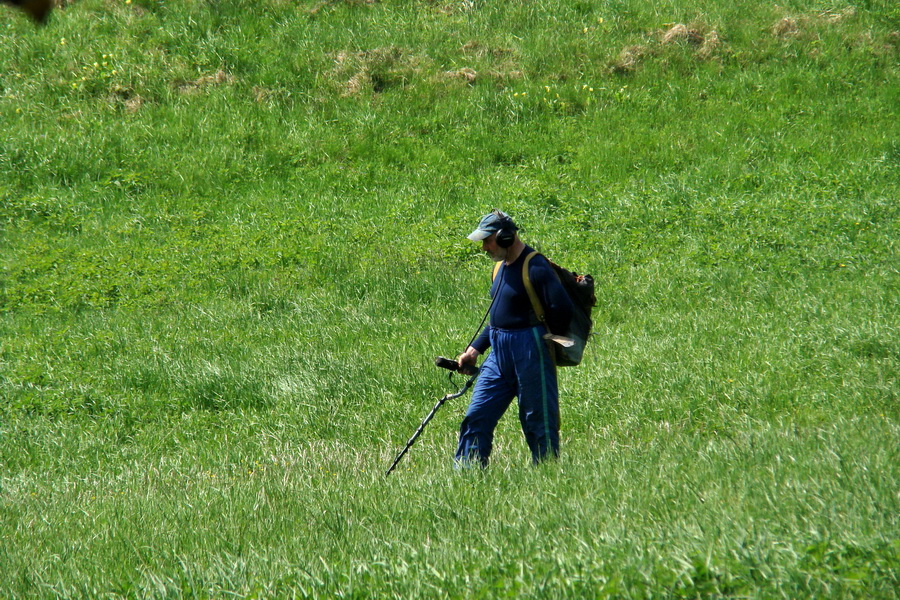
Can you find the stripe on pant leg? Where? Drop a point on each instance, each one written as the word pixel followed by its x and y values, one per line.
pixel 540 346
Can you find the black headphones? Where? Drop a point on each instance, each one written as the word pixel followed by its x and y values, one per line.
pixel 506 235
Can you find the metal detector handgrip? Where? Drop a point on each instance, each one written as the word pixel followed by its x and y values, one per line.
pixel 452 365
pixel 434 410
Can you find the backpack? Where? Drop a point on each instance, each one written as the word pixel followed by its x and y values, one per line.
pixel 569 346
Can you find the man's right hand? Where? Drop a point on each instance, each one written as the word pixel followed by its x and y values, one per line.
pixel 469 358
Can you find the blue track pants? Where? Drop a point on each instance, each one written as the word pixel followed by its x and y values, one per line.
pixel 519 365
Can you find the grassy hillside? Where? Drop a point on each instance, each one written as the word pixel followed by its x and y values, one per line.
pixel 232 240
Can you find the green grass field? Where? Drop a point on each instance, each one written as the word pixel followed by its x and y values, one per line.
pixel 232 241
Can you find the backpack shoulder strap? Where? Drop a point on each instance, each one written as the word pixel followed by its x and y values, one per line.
pixel 536 304
pixel 532 295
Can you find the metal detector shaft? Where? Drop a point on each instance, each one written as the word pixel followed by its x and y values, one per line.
pixel 434 410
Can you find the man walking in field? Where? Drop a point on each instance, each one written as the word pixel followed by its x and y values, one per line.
pixel 521 361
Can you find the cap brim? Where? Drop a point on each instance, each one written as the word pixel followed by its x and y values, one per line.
pixel 479 234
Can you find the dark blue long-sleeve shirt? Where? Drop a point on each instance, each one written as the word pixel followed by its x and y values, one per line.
pixel 512 309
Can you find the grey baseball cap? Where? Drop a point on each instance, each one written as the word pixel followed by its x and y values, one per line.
pixel 490 224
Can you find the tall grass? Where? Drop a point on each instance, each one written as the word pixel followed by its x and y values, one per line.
pixel 232 242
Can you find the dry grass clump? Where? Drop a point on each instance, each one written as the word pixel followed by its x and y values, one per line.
pixel 465 74
pixel 479 50
pixel 893 40
pixel 706 43
pixel 380 69
pixel 711 44
pixel 628 60
pixel 132 105
pixel 786 27
pixel 377 70
pixel 260 94
pixel 679 33
pixel 838 16
pixel 503 62
pixel 795 26
pixel 127 98
pixel 201 83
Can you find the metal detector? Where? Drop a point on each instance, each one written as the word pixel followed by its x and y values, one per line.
pixel 451 365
